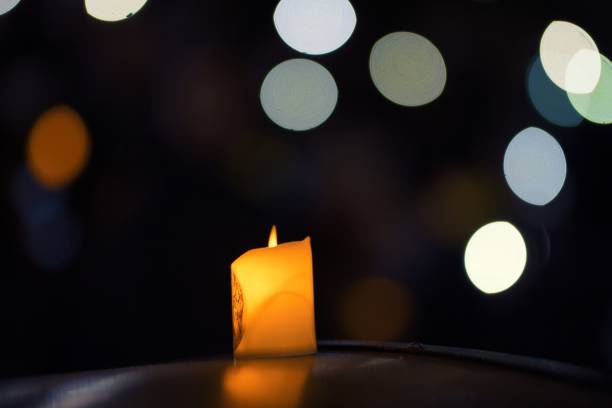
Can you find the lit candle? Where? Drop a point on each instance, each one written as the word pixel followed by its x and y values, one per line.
pixel 273 300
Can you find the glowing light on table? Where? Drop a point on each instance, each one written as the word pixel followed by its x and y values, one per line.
pixel 299 94
pixel 407 69
pixel 597 105
pixel 534 166
pixel 7 5
pixel 88 392
pixel 315 26
pixel 570 57
pixel 113 10
pixel 273 301
pixel 266 382
pixel 495 257
pixel 548 99
pixel 58 147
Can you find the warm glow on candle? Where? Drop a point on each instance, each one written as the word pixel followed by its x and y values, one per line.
pixel 272 241
pixel 273 301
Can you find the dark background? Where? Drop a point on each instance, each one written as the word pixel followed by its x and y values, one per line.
pixel 187 173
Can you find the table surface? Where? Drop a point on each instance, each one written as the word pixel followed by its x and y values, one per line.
pixel 341 374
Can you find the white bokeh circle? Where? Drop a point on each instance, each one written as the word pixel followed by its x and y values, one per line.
pixel 113 10
pixel 299 94
pixel 495 257
pixel 535 166
pixel 570 57
pixel 407 69
pixel 7 5
pixel 315 26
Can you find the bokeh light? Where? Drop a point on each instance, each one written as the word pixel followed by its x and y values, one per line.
pixel 299 94
pixel 548 99
pixel 376 309
pixel 32 202
pixel 597 105
pixel 58 147
pixel 113 10
pixel 7 5
pixel 456 203
pixel 570 57
pixel 495 257
pixel 534 166
pixel 315 26
pixel 407 69
pixel 53 245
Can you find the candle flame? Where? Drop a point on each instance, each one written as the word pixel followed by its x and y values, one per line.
pixel 272 241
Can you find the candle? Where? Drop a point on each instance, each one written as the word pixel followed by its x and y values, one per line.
pixel 273 300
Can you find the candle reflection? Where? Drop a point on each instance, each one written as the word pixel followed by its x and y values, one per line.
pixel 266 382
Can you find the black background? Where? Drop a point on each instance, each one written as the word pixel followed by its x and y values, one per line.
pixel 187 173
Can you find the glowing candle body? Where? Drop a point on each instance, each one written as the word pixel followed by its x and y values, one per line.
pixel 273 301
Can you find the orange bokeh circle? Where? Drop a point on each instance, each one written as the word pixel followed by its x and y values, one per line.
pixel 58 147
